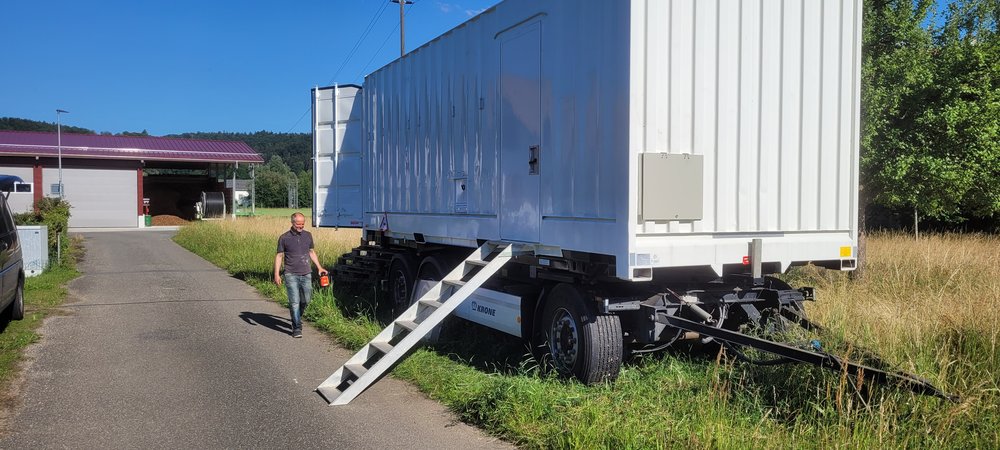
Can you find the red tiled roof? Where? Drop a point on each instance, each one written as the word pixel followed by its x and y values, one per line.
pixel 23 143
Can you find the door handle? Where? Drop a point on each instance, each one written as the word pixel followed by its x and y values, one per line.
pixel 533 154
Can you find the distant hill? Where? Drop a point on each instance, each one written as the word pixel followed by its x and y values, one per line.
pixel 15 124
pixel 295 149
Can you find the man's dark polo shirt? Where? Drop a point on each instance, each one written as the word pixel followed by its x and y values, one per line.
pixel 296 246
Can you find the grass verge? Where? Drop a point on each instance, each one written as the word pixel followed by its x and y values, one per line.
pixel 42 293
pixel 929 306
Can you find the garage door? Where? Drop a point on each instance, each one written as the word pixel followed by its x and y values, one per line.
pixel 100 198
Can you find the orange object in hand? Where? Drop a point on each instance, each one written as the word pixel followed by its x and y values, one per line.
pixel 324 281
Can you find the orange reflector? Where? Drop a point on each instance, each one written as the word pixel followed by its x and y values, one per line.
pixel 746 260
pixel 845 252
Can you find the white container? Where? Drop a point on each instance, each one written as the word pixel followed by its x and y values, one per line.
pixel 34 241
pixel 665 134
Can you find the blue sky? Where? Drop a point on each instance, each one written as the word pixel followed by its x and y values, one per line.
pixel 183 65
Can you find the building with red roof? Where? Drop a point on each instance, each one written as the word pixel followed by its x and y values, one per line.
pixel 106 178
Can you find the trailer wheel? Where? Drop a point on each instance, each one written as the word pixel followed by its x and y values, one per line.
pixel 580 342
pixel 401 275
pixel 432 270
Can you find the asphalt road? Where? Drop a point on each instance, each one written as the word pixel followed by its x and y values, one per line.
pixel 160 349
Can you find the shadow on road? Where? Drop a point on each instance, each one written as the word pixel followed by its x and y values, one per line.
pixel 267 320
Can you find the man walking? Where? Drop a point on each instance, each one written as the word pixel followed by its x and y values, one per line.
pixel 295 248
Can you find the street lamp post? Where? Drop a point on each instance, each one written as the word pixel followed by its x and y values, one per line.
pixel 61 194
pixel 59 145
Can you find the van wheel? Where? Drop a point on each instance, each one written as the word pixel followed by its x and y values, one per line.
pixel 16 311
pixel 581 343
pixel 401 275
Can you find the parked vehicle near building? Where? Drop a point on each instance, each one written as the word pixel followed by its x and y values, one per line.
pixel 11 263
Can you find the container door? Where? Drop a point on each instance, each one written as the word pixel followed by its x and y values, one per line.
pixel 338 140
pixel 520 132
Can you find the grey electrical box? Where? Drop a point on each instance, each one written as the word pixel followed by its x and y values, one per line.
pixel 34 248
pixel 671 187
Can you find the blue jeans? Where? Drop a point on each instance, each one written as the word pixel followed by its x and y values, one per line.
pixel 299 288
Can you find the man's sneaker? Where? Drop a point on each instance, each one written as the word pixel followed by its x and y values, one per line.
pixel 297 333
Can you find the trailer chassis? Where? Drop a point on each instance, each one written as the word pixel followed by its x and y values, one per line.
pixel 745 313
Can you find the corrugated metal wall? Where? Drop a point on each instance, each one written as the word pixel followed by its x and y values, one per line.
pixel 767 91
pixel 445 123
pixel 432 119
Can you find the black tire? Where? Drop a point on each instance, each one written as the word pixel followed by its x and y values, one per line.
pixel 401 275
pixel 432 268
pixel 16 309
pixel 579 342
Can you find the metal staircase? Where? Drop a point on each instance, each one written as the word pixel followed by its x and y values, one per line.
pixel 387 349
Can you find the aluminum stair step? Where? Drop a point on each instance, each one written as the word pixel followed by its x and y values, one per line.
pixel 408 324
pixel 431 302
pixel 381 346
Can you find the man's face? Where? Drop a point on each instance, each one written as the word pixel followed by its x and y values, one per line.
pixel 299 223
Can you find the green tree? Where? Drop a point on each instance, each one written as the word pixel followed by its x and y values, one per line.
pixel 896 71
pixel 305 189
pixel 931 108
pixel 272 183
pixel 962 117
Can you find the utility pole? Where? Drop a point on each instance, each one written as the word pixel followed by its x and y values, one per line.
pixel 402 23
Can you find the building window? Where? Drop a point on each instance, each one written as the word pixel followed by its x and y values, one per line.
pixel 26 188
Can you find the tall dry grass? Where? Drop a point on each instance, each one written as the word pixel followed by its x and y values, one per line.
pixel 929 306
pixel 922 301
pixel 330 243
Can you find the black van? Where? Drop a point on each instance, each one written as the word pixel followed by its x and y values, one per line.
pixel 11 265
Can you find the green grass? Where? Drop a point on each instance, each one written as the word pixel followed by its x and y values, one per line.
pixel 680 399
pixel 42 294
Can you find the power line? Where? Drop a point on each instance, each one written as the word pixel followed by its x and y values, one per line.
pixel 380 47
pixel 364 34
pixel 360 40
pixel 384 41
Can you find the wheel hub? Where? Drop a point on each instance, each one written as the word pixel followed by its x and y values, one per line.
pixel 563 340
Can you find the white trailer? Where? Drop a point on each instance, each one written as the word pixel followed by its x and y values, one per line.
pixel 629 149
